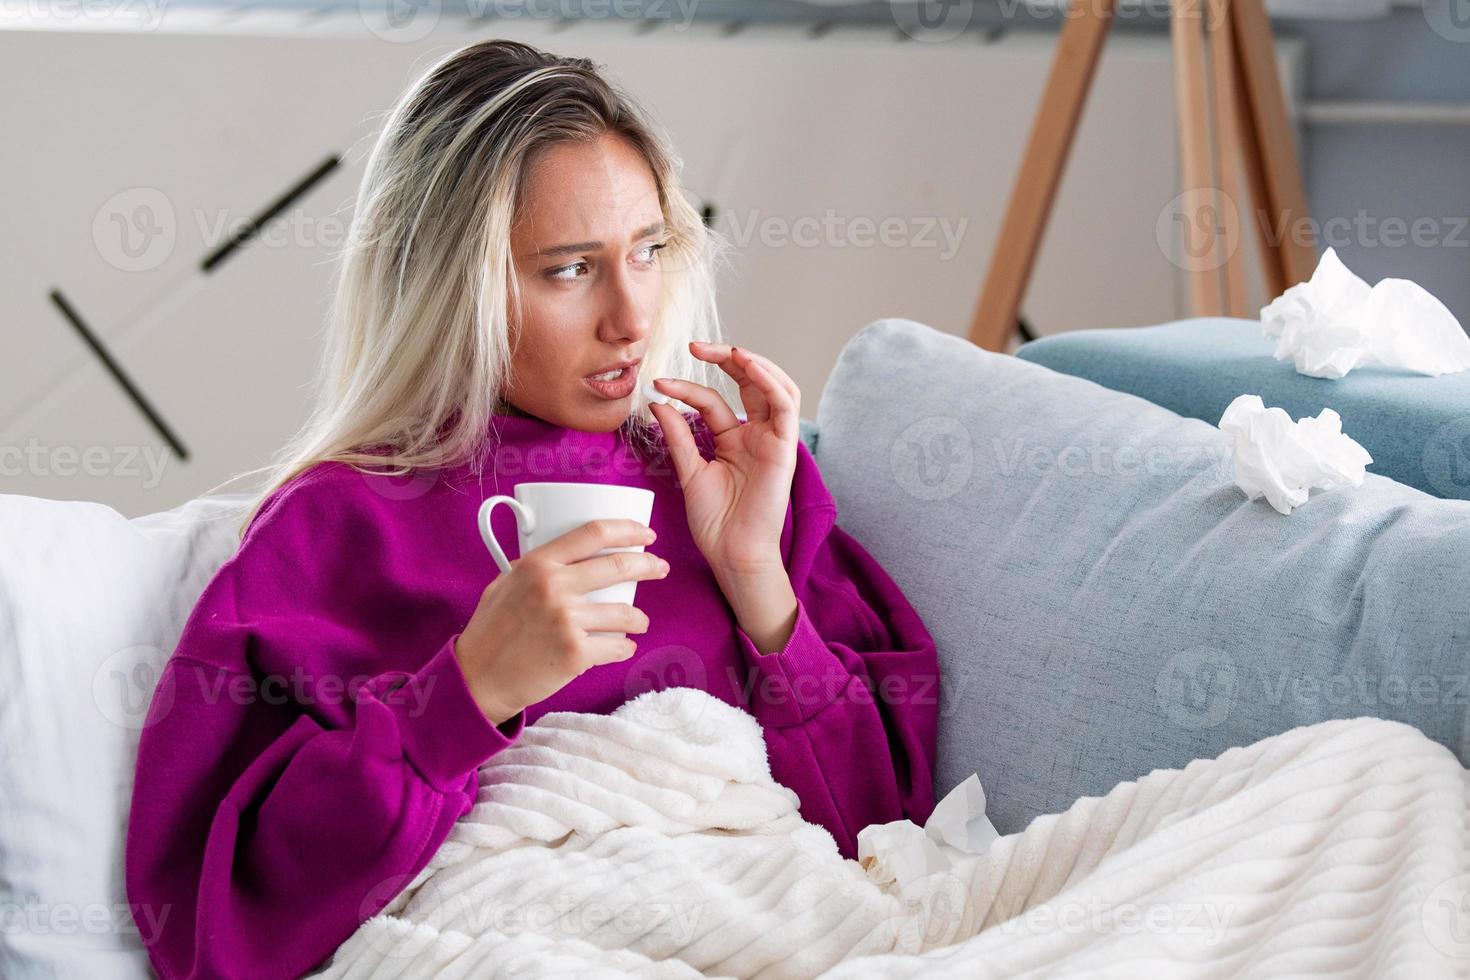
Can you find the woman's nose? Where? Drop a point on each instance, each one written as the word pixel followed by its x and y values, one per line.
pixel 629 307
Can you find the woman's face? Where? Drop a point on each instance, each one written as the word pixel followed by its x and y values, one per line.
pixel 585 247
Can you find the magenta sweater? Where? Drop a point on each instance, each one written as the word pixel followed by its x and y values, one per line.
pixel 312 738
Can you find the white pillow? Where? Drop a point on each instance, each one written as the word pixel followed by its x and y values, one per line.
pixel 91 606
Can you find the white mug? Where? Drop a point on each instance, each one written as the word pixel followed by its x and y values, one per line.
pixel 546 511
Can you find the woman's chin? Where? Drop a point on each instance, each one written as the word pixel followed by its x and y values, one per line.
pixel 603 415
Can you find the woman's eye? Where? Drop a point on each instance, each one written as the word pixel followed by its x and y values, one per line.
pixel 561 273
pixel 557 273
pixel 650 249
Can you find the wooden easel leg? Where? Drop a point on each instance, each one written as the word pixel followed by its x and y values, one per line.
pixel 1256 207
pixel 1035 188
pixel 1283 210
pixel 1202 238
pixel 1227 151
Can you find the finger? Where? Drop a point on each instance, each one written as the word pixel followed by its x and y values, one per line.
pixel 600 571
pixel 609 649
pixel 591 537
pixel 744 357
pixel 783 412
pixel 774 399
pixel 611 617
pixel 734 359
pixel 680 439
pixel 711 405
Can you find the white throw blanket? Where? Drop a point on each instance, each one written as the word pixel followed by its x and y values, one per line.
pixel 653 843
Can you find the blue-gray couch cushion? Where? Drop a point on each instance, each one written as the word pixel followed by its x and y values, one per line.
pixel 1416 428
pixel 1105 600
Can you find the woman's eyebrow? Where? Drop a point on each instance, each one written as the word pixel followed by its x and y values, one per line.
pixel 652 229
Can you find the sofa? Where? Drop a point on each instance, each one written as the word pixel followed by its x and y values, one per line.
pixel 1416 427
pixel 1105 602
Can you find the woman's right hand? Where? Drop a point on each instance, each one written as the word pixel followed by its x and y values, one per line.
pixel 528 637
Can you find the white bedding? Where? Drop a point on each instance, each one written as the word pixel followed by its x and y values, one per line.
pixel 653 843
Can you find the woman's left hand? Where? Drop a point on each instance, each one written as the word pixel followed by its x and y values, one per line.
pixel 737 501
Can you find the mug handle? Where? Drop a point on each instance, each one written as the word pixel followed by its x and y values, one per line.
pixel 525 524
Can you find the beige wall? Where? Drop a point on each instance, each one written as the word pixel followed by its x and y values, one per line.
pixel 174 132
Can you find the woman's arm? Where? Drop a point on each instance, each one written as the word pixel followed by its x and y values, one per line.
pixel 850 700
pixel 273 812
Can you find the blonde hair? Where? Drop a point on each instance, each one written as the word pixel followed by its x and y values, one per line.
pixel 417 348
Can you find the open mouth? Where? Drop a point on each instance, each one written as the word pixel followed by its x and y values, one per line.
pixel 614 383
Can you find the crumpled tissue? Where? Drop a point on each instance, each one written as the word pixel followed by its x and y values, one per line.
pixel 1333 323
pixel 1281 459
pixel 901 851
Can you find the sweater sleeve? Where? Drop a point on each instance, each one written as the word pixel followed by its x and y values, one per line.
pixel 274 811
pixel 850 704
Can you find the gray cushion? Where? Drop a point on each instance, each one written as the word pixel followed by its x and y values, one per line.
pixel 1105 600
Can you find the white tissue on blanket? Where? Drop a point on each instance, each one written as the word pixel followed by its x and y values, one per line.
pixel 1281 459
pixel 1334 322
pixel 902 852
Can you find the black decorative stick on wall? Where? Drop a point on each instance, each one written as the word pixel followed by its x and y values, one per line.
pixel 207 265
pixel 118 373
pixel 253 226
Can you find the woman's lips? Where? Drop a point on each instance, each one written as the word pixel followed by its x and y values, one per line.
pixel 620 387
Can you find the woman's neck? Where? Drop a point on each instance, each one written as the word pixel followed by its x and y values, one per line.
pixel 506 408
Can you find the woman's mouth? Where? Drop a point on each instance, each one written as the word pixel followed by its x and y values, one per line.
pixel 614 383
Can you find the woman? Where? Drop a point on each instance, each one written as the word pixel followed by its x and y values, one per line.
pixel 520 232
